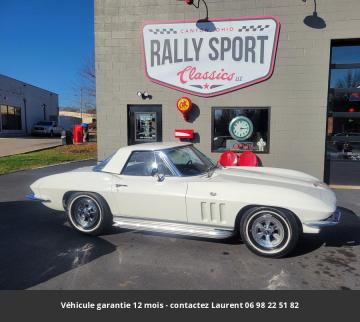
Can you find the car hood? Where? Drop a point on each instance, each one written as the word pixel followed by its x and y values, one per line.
pixel 266 176
pixel 84 169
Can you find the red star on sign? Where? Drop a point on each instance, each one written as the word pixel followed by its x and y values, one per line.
pixel 206 86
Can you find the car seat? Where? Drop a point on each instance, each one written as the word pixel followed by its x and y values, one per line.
pixel 248 159
pixel 228 159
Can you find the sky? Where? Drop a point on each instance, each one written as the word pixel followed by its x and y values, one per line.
pixel 46 43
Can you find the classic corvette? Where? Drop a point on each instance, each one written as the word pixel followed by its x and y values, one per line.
pixel 174 188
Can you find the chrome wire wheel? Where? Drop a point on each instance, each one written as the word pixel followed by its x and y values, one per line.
pixel 267 231
pixel 85 213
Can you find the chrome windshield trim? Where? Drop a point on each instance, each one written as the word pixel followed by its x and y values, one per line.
pixel 168 163
pixel 32 197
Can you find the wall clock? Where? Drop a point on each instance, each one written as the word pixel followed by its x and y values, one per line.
pixel 241 128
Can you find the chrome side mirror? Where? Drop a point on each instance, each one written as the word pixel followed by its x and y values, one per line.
pixel 160 177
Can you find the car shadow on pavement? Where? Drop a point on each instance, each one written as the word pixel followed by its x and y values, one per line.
pixel 346 233
pixel 233 240
pixel 36 245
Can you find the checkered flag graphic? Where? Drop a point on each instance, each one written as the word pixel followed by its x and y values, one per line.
pixel 253 28
pixel 163 31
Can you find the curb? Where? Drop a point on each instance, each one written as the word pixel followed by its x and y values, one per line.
pixel 48 166
pixel 37 150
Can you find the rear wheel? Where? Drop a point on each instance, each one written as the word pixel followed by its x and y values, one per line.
pixel 269 232
pixel 89 213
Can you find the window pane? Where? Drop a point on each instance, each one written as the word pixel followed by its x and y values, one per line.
pixel 10 117
pixel 4 116
pixel 345 126
pixel 240 129
pixel 345 54
pixel 345 78
pixel 141 163
pixel 344 102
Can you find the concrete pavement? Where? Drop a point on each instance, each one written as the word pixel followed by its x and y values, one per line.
pixel 39 250
pixel 17 145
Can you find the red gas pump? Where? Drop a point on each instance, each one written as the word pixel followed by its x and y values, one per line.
pixel 78 134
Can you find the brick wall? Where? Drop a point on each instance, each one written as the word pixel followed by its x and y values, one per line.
pixel 297 91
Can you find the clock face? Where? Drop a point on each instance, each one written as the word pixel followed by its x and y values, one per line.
pixel 241 128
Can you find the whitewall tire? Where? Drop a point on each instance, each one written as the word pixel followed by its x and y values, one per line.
pixel 88 213
pixel 269 232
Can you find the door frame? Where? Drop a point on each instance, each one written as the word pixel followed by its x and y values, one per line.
pixel 327 173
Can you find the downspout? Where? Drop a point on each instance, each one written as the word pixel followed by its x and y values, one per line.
pixel 25 114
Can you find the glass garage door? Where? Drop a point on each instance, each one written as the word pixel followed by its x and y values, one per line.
pixel 343 118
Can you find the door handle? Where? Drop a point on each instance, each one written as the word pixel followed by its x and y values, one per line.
pixel 120 185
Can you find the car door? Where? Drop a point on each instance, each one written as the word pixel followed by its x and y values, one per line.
pixel 139 194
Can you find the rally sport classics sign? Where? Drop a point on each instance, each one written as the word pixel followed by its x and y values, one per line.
pixel 210 58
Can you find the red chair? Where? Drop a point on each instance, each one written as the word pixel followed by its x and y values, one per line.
pixel 228 159
pixel 248 159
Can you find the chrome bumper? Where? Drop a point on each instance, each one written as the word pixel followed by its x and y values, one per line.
pixel 333 220
pixel 32 197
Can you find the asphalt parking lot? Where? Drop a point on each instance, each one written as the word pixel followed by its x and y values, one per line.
pixel 38 250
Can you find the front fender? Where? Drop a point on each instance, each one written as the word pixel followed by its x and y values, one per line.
pixel 223 201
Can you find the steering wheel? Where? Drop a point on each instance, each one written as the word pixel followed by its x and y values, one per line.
pixel 189 162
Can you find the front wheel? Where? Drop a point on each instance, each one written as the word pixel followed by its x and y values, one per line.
pixel 269 232
pixel 89 213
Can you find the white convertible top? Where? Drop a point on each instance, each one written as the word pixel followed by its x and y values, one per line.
pixel 154 146
pixel 118 160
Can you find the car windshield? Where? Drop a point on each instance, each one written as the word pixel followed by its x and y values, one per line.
pixel 45 123
pixel 189 161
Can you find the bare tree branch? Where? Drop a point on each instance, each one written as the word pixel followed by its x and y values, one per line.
pixel 85 89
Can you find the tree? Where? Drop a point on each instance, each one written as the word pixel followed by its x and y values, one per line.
pixel 85 89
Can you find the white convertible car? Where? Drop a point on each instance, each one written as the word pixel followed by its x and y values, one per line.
pixel 174 188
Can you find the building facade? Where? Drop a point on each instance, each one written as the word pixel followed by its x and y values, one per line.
pixel 293 96
pixel 23 105
pixel 67 119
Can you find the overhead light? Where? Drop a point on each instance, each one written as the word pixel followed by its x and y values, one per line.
pixel 144 95
pixel 314 21
pixel 197 6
